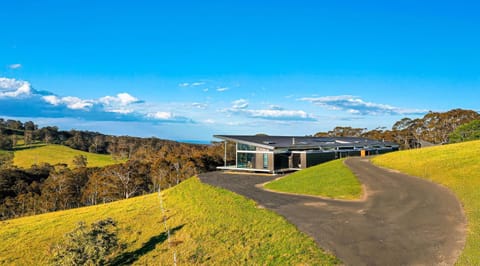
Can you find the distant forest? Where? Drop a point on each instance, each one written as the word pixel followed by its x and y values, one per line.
pixel 152 163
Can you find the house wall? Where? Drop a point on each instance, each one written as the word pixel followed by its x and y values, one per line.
pixel 303 160
pixel 270 162
pixel 258 161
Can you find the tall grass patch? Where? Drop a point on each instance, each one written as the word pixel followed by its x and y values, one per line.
pixel 208 226
pixel 456 166
pixel 331 179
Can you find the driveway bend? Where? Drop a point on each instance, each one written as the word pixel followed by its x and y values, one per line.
pixel 403 220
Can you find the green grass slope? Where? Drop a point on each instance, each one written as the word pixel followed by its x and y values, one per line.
pixel 54 154
pixel 331 179
pixel 456 166
pixel 210 226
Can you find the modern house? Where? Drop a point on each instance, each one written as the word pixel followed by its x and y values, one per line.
pixel 274 154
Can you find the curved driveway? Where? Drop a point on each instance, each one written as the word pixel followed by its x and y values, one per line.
pixel 403 220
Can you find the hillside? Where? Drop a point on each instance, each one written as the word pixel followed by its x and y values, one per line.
pixel 210 226
pixel 331 179
pixel 55 154
pixel 456 166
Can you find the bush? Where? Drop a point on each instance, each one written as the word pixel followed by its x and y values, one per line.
pixel 88 247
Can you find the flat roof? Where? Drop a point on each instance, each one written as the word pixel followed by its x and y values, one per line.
pixel 302 142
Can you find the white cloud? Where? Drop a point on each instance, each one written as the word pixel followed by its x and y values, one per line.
pixel 200 105
pixel 222 89
pixel 15 66
pixel 52 99
pixel 355 105
pixel 191 84
pixel 205 90
pixel 71 102
pixel 280 114
pixel 209 121
pixel 240 104
pixel 121 111
pixel 275 113
pixel 161 115
pixel 198 83
pixel 121 99
pixel 14 88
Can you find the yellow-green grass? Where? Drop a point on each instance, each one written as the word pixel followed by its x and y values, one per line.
pixel 210 226
pixel 456 166
pixel 331 179
pixel 55 154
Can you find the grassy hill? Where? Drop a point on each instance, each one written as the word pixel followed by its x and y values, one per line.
pixel 211 226
pixel 54 154
pixel 331 179
pixel 456 166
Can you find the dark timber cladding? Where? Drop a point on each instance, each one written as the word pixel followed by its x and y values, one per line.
pixel 287 153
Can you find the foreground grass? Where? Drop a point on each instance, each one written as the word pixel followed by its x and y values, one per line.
pixel 210 226
pixel 55 154
pixel 331 179
pixel 456 166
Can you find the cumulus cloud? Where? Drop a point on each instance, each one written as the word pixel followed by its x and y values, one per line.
pixel 355 105
pixel 240 104
pixel 19 99
pixel 122 99
pixel 15 66
pixel 222 89
pixel 52 99
pixel 71 102
pixel 14 88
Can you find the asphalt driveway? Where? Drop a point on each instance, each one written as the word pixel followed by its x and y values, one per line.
pixel 403 220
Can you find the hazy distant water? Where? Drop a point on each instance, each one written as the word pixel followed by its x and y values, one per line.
pixel 195 141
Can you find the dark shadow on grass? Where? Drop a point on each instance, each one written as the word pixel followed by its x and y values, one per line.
pixel 130 257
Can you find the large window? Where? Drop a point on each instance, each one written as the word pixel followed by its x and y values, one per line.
pixel 246 160
pixel 246 147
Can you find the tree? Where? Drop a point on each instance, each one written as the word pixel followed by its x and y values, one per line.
pixel 6 142
pixel 466 132
pixel 80 161
pixel 88 247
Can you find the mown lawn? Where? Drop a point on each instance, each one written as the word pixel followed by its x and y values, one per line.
pixel 211 226
pixel 331 179
pixel 55 154
pixel 456 166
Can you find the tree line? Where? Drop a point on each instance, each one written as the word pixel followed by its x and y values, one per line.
pixel 434 127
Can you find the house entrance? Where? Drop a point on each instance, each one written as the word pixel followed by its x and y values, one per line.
pixel 295 160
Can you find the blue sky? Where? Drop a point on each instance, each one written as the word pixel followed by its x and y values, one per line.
pixel 191 69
